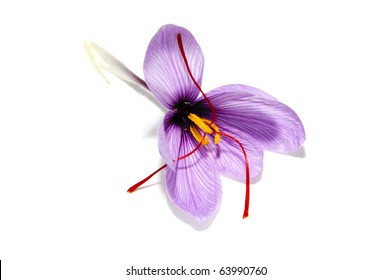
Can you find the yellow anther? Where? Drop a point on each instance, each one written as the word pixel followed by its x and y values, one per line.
pixel 206 126
pixel 215 128
pixel 200 123
pixel 197 135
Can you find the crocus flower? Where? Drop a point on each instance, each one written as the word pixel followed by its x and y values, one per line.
pixel 205 135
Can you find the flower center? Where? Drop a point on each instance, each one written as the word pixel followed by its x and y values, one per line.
pixel 206 126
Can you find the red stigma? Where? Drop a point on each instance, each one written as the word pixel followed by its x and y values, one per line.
pixel 247 198
pixel 135 186
pixel 180 44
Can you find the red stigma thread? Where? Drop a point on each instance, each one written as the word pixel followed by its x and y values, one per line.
pixel 180 44
pixel 247 198
pixel 135 186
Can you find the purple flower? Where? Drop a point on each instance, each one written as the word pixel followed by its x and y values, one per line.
pixel 202 136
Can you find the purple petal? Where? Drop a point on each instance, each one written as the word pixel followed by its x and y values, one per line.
pixel 195 186
pixel 165 71
pixel 235 88
pixel 193 183
pixel 273 125
pixel 229 158
pixel 169 140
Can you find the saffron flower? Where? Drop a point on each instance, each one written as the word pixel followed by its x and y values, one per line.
pixel 205 135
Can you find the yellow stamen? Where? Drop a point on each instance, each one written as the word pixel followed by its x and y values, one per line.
pixel 215 128
pixel 200 123
pixel 197 135
pixel 206 126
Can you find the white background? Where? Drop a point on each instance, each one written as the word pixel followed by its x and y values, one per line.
pixel 71 144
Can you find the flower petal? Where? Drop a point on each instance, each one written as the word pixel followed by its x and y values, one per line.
pixel 275 126
pixel 235 88
pixel 192 183
pixel 195 186
pixel 165 71
pixel 229 158
pixel 169 140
